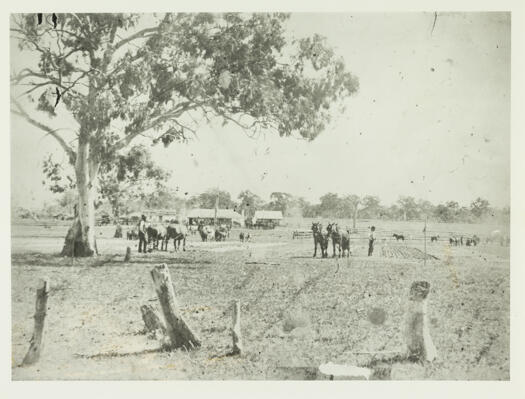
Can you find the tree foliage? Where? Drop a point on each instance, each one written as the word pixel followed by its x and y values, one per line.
pixel 213 196
pixel 133 176
pixel 124 75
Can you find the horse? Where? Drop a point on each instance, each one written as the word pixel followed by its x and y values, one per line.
pixel 132 234
pixel 153 237
pixel 244 237
pixel 321 238
pixel 434 238
pixel 225 228
pixel 339 239
pixel 221 233
pixel 178 232
pixel 193 229
pixel 453 241
pixel 398 237
pixel 206 232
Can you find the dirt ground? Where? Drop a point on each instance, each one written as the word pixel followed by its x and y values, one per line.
pixel 295 310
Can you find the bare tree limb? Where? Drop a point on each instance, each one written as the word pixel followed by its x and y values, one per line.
pixel 53 132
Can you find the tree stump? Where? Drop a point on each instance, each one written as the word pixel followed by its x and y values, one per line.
pixel 36 343
pixel 179 332
pixel 419 343
pixel 127 257
pixel 152 321
pixel 236 328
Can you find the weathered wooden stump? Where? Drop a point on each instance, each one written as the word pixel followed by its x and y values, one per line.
pixel 236 328
pixel 179 332
pixel 419 343
pixel 33 354
pixel 127 257
pixel 152 321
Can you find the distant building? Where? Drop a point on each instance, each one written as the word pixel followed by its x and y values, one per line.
pixel 207 216
pixel 267 219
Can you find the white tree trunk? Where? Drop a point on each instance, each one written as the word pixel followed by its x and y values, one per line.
pixel 80 240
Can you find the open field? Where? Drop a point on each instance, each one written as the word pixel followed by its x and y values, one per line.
pixel 94 320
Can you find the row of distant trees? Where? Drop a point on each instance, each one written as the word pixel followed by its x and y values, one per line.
pixel 330 205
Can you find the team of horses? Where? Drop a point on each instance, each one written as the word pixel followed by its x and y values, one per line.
pixel 162 234
pixel 208 233
pixel 340 239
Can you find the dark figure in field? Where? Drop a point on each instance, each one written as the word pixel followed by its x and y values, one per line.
pixel 371 240
pixel 341 240
pixel 118 231
pixel 244 237
pixel 345 243
pixel 321 238
pixel 142 234
pixel 434 238
pixel 398 237
pixel 475 240
pixel 461 240
pixel 178 233
pixel 453 241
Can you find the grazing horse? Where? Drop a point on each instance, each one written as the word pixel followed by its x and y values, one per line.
pixel 321 238
pixel 398 237
pixel 453 241
pixel 434 238
pixel 206 232
pixel 178 232
pixel 339 239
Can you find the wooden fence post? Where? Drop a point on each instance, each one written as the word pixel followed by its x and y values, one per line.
pixel 33 354
pixel 127 258
pixel 236 328
pixel 419 343
pixel 178 330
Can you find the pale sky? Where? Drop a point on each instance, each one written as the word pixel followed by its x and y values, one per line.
pixel 431 120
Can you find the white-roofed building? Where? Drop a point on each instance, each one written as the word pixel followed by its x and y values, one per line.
pixel 224 216
pixel 267 219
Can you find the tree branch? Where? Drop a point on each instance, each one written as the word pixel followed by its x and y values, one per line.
pixel 154 121
pixel 53 132
pixel 139 35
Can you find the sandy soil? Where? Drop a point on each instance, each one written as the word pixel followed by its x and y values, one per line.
pixel 93 327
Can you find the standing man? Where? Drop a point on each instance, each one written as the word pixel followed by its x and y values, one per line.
pixel 142 234
pixel 371 239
